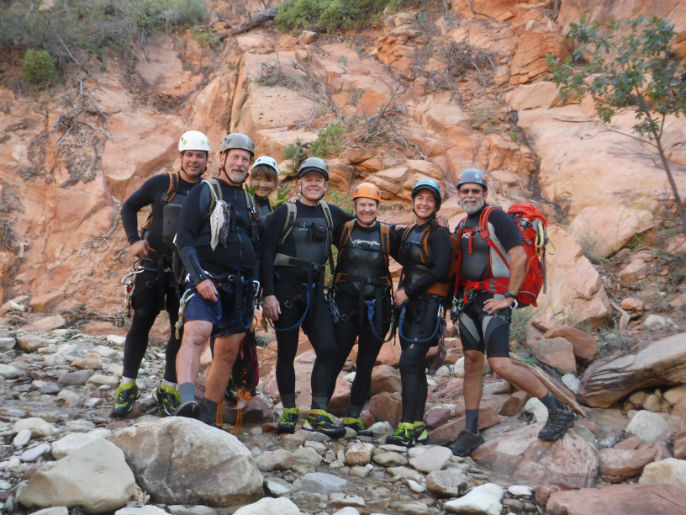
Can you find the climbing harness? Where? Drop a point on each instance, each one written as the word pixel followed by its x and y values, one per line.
pixel 439 319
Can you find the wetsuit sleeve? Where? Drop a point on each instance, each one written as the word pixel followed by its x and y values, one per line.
pixel 394 238
pixel 338 217
pixel 140 198
pixel 270 244
pixel 441 249
pixel 505 229
pixel 193 215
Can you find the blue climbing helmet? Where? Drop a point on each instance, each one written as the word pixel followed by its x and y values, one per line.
pixel 473 176
pixel 430 185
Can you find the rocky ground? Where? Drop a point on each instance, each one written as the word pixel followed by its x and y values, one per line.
pixel 57 388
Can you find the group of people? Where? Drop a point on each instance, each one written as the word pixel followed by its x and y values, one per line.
pixel 236 247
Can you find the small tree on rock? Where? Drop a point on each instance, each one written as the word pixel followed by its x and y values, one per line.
pixel 633 69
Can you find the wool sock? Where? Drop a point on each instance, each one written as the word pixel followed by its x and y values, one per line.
pixel 550 401
pixel 186 392
pixel 472 422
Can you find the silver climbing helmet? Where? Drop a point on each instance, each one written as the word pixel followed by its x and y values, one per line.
pixel 314 164
pixel 237 140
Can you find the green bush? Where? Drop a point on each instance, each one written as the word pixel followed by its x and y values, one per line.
pixel 328 15
pixel 72 30
pixel 328 140
pixel 39 68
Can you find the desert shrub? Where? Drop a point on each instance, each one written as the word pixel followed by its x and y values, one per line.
pixel 71 30
pixel 328 15
pixel 39 68
pixel 328 140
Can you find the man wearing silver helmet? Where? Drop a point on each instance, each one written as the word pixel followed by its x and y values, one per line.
pixel 217 239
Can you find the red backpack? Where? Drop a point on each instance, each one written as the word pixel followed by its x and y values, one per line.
pixel 531 223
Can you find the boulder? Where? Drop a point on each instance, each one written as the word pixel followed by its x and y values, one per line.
pixel 480 499
pixel 574 289
pixel 585 345
pixel 94 476
pixel 648 426
pixel 558 352
pixel 609 380
pixel 570 462
pixel 604 229
pixel 619 500
pixel 617 465
pixel 184 461
pixel 671 471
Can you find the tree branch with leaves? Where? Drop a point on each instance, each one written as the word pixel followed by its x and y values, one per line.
pixel 630 65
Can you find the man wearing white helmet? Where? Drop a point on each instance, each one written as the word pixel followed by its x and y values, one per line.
pixel 154 284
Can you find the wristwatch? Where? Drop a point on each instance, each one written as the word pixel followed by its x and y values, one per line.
pixel 512 296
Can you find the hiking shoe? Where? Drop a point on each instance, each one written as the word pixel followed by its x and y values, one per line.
pixel 287 422
pixel 167 397
pixel 559 420
pixel 421 435
pixel 357 425
pixel 322 422
pixel 403 435
pixel 466 443
pixel 126 395
pixel 189 409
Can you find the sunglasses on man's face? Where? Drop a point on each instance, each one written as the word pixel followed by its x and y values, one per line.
pixel 473 191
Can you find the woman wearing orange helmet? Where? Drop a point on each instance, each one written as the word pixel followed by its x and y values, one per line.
pixel 362 294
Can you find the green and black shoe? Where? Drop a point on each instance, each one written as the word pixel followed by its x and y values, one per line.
pixel 403 435
pixel 357 425
pixel 322 422
pixel 421 435
pixel 167 398
pixel 126 395
pixel 288 420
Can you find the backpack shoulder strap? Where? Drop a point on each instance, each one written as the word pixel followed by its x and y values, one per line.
pixel 174 179
pixel 385 233
pixel 345 233
pixel 215 190
pixel 291 214
pixel 327 214
pixel 483 222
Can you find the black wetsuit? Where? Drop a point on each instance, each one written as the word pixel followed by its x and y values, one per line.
pixel 298 287
pixel 155 288
pixel 362 281
pixel 424 271
pixel 479 330
pixel 233 263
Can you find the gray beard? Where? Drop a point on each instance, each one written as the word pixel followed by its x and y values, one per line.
pixel 472 210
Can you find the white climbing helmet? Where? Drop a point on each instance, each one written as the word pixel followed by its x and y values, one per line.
pixel 194 140
pixel 267 161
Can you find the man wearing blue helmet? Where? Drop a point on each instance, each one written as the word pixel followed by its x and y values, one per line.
pixel 425 252
pixel 485 307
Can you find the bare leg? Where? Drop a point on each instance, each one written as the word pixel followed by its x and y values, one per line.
pixel 225 351
pixel 473 371
pixel 518 376
pixel 196 333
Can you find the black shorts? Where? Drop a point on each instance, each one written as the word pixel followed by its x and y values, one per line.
pixel 227 316
pixel 484 332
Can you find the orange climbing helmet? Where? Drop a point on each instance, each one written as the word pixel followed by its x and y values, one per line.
pixel 367 190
